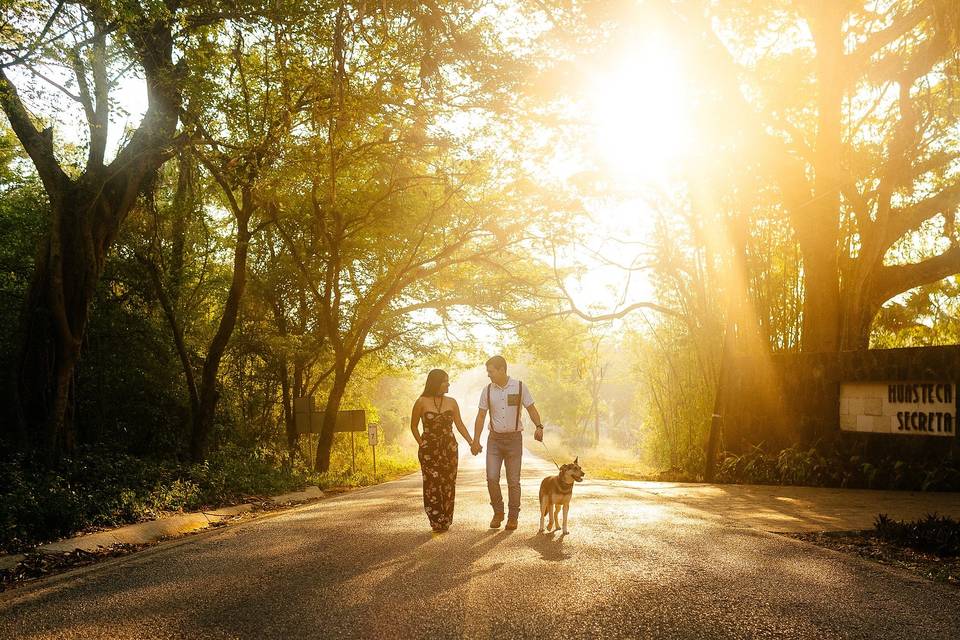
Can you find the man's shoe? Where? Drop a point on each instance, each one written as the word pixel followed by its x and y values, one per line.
pixel 497 519
pixel 511 524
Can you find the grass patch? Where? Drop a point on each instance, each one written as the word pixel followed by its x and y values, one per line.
pixel 604 462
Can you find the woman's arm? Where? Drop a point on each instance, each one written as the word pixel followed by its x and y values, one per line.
pixel 415 422
pixel 457 420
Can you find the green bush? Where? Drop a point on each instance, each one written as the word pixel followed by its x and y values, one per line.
pixel 826 466
pixel 104 488
pixel 934 534
pixel 100 488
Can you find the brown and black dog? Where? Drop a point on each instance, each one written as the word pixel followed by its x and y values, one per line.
pixel 555 492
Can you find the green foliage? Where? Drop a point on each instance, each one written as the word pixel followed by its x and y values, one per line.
pixel 935 534
pixel 836 467
pixel 104 488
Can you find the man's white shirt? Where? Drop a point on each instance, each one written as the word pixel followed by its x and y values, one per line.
pixel 504 405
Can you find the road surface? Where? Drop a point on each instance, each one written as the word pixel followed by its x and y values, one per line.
pixel 365 565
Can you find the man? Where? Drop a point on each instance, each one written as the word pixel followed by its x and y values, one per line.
pixel 503 398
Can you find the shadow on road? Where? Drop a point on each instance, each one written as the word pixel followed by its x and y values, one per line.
pixel 549 546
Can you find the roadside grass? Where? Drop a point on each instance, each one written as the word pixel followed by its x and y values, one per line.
pixel 606 461
pixel 98 488
pixel 393 461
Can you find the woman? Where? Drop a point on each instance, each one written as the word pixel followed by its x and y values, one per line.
pixel 438 447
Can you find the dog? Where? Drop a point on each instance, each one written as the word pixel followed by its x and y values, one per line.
pixel 555 492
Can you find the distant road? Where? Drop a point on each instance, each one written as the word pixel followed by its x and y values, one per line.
pixel 637 564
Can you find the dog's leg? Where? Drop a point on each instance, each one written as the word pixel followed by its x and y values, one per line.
pixel 556 517
pixel 544 507
pixel 566 509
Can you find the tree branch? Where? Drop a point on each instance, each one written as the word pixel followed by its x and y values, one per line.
pixel 903 277
pixel 905 219
pixel 39 146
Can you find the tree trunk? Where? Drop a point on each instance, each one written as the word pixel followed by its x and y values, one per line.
pixel 817 221
pixel 54 318
pixel 330 418
pixel 209 394
pixel 821 301
pixel 87 212
pixel 288 416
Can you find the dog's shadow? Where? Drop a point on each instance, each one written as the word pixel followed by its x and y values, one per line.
pixel 549 546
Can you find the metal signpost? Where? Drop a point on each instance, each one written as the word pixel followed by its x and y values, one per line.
pixel 372 437
pixel 307 419
pixel 352 421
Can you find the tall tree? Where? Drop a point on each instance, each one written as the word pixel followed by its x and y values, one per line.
pixel 257 89
pixel 88 204
pixel 850 116
pixel 401 191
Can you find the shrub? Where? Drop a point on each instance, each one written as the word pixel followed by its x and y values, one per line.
pixel 100 487
pixel 934 534
pixel 830 466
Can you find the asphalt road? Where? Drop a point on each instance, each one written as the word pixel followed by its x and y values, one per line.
pixel 365 565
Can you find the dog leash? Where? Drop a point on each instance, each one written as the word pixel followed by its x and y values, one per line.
pixel 549 456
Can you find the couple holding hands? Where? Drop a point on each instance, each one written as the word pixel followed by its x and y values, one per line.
pixel 502 399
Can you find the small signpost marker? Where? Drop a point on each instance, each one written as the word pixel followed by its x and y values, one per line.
pixel 372 437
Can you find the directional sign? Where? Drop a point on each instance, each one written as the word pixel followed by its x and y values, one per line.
pixel 305 416
pixel 355 420
pixel 307 419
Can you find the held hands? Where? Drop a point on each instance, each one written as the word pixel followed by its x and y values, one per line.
pixel 475 447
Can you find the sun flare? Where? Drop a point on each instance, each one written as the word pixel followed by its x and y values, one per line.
pixel 640 110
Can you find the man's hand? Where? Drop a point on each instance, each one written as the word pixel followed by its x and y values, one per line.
pixel 475 447
pixel 538 434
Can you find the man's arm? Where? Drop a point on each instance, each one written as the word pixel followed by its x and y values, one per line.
pixel 535 416
pixel 478 429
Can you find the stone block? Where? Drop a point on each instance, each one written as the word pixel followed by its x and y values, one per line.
pixel 848 422
pixel 844 406
pixel 865 423
pixel 873 407
pixel 856 406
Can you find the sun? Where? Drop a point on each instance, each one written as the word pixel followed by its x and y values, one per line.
pixel 639 107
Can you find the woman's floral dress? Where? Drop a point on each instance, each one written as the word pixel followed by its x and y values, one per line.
pixel 438 464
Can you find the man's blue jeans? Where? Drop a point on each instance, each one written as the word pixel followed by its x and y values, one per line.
pixel 504 449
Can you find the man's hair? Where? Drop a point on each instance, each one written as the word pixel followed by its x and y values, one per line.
pixel 497 362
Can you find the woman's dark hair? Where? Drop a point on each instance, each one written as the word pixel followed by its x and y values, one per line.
pixel 434 381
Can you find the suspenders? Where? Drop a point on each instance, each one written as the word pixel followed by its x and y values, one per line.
pixel 516 426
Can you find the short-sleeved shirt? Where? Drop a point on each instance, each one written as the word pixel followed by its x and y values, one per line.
pixel 505 403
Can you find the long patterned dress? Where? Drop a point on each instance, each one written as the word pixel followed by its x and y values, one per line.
pixel 438 464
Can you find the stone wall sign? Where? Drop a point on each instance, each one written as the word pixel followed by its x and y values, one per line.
pixel 909 408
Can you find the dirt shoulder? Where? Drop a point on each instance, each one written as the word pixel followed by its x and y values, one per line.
pixel 865 544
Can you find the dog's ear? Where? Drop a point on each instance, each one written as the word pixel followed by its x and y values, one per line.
pixel 575 459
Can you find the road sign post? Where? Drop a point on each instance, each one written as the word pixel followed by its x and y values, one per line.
pixel 308 420
pixel 372 437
